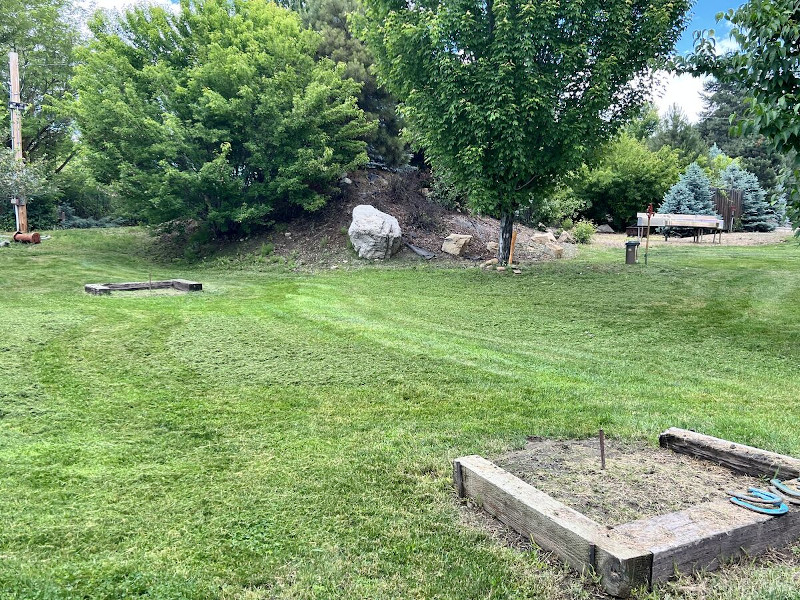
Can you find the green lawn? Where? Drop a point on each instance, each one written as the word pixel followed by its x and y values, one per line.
pixel 289 435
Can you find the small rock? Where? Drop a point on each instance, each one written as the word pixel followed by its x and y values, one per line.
pixel 501 269
pixel 516 272
pixel 334 267
pixel 543 237
pixel 346 180
pixel 604 229
pixel 556 250
pixel 455 242
pixel 4 243
pixel 492 246
pixel 566 237
pixel 287 234
pixel 425 192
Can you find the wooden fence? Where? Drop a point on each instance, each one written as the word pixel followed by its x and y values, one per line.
pixel 728 204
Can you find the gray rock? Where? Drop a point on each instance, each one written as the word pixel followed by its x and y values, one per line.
pixel 604 229
pixel 374 234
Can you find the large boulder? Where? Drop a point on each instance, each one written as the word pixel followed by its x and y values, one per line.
pixel 374 234
pixel 604 229
pixel 455 242
pixel 566 237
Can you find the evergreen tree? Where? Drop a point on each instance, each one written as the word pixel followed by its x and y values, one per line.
pixel 219 113
pixel 692 194
pixel 757 214
pixel 677 132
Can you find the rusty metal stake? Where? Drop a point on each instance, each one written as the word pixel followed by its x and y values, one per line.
pixel 602 450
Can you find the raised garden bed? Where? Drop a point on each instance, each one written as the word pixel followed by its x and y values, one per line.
pixel 181 285
pixel 649 515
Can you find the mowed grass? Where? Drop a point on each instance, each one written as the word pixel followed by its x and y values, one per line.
pixel 291 435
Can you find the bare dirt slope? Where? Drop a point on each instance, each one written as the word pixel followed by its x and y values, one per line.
pixel 321 238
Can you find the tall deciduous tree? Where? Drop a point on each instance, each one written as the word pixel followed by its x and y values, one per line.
pixel 508 95
pixel 219 113
pixel 767 65
pixel 44 34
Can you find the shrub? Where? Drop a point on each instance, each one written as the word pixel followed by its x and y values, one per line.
pixel 583 232
pixel 220 114
pixel 567 224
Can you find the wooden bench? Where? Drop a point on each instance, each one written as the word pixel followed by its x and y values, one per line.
pixel 700 223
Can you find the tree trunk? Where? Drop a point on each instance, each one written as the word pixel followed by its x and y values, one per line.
pixel 504 244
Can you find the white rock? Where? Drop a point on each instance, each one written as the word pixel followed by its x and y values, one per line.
pixel 455 242
pixel 492 246
pixel 374 234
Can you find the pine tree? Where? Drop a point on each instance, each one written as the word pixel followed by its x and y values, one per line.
pixel 757 214
pixel 692 194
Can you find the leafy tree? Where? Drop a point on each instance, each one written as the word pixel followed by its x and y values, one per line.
pixel 628 177
pixel 692 194
pixel 509 95
pixel 675 131
pixel 767 65
pixel 219 113
pixel 28 180
pixel 645 124
pixel 44 34
pixel 724 103
pixel 756 212
pixel 330 19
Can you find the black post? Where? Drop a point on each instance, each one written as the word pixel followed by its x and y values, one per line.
pixel 506 230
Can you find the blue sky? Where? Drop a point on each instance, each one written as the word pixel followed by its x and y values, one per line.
pixel 702 14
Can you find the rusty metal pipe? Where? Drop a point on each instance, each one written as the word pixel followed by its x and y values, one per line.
pixel 28 238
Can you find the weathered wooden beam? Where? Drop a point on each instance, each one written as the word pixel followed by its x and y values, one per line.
pixel 737 457
pixel 187 286
pixel 703 536
pixel 576 539
pixel 97 289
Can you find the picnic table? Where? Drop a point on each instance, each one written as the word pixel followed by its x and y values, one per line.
pixel 700 223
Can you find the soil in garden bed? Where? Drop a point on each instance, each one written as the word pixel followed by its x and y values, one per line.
pixel 639 481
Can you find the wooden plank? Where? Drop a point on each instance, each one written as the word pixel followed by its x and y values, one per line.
pixel 675 220
pixel 187 286
pixel 701 537
pixel 579 541
pixel 737 457
pixel 96 288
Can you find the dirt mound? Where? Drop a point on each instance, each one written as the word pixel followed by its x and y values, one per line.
pixel 320 239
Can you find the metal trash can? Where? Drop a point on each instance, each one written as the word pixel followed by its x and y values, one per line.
pixel 631 252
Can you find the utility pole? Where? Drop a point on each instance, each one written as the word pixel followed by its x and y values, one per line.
pixel 16 107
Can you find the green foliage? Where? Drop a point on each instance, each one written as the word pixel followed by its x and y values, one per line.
pixel 756 213
pixel 692 194
pixel 725 103
pixel 676 132
pixel 25 180
pixel 627 178
pixel 509 96
pixel 766 64
pixel 645 124
pixel 567 224
pixel 44 34
pixel 583 231
pixel 219 113
pixel 445 190
pixel 559 203
pixel 331 19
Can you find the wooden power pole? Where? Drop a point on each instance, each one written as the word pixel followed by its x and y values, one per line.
pixel 16 107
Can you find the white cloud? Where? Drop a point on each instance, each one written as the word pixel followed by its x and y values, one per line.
pixel 683 90
pixel 121 5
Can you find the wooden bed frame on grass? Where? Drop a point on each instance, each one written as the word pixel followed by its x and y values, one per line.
pixel 647 551
pixel 178 284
